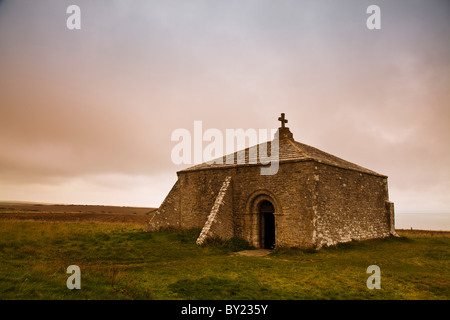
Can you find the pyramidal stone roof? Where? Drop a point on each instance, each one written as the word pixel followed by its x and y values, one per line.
pixel 289 150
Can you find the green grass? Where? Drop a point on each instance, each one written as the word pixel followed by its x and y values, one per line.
pixel 120 261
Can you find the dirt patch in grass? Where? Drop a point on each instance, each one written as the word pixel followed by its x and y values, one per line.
pixel 254 253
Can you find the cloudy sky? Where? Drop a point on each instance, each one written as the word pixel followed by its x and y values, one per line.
pixel 86 115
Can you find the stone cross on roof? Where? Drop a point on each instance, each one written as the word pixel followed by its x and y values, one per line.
pixel 282 120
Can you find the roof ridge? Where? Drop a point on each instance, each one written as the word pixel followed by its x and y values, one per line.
pixel 293 142
pixel 289 150
pixel 335 160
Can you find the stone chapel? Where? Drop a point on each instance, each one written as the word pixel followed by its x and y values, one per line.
pixel 314 199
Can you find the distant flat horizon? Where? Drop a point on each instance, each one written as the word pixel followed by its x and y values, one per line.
pixel 24 202
pixel 433 221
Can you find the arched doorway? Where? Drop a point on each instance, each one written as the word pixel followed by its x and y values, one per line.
pixel 266 224
pixel 259 223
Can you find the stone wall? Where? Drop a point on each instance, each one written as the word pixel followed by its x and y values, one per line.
pixel 220 221
pixel 349 205
pixel 289 192
pixel 198 192
pixel 168 213
pixel 315 204
pixel 391 218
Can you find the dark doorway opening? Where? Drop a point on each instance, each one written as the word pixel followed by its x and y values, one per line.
pixel 267 225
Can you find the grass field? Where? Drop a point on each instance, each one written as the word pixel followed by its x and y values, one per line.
pixel 120 261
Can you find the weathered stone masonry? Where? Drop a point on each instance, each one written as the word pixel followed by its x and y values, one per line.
pixel 318 199
pixel 220 222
